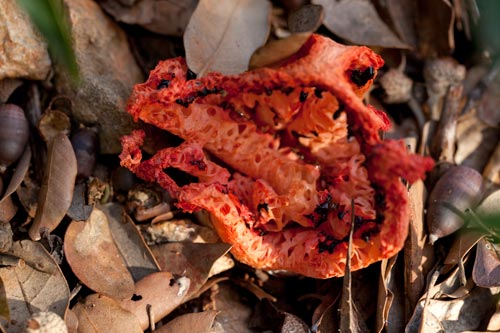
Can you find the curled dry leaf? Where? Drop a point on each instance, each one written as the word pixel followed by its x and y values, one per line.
pixel 57 188
pixel 434 26
pixel 98 313
pixel 79 210
pixel 161 291
pixel 222 35
pixel 7 87
pixel 193 260
pixel 278 50
pixel 456 315
pixel 402 14
pixel 458 189
pixel 168 17
pixel 131 246
pixel 463 243
pixel 37 285
pixel 52 123
pixel 200 322
pixel 486 271
pixel 95 258
pixel 358 22
pixel 4 304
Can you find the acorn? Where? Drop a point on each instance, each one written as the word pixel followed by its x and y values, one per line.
pixel 459 188
pixel 14 134
pixel 85 145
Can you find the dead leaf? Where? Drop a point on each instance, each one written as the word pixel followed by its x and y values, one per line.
pixel 475 141
pixel 461 246
pixel 267 317
pixel 486 271
pixel 307 18
pixel 95 259
pixel 19 173
pixel 137 255
pixel 7 210
pixel 358 22
pixel 386 296
pixel 278 50
pixel 234 314
pixel 193 260
pixel 52 123
pixel 98 313
pixel 418 254
pixel 58 183
pixel 161 291
pixel 37 285
pixel 402 14
pixel 7 87
pixel 434 25
pixel 455 315
pixel 168 17
pixel 79 210
pixel 200 322
pixel 222 35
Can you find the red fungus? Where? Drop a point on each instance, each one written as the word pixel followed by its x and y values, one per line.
pixel 279 153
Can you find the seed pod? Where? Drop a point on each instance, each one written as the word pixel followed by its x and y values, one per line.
pixel 85 145
pixel 14 133
pixel 459 188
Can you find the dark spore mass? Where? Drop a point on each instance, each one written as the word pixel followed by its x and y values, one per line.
pixel 190 75
pixel 361 77
pixel 163 84
pixel 303 96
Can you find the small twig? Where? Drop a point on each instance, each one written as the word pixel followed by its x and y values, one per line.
pixel 443 143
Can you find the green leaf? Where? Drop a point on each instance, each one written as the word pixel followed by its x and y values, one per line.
pixel 49 17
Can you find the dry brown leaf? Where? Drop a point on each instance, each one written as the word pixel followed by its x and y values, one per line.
pixel 233 314
pixel 200 322
pixel 461 246
pixel 19 173
pixel 95 259
pixel 418 254
pixel 168 17
pixel 137 255
pixel 307 18
pixel 278 50
pixel 267 317
pixel 193 260
pixel 79 210
pixel 358 22
pixel 38 285
pixel 453 316
pixel 52 123
pixel 434 25
pixel 223 34
pixel 402 14
pixel 58 183
pixel 475 141
pixel 101 314
pixel 159 290
pixel 7 87
pixel 387 286
pixel 486 271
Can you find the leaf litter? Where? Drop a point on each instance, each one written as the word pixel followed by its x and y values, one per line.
pixel 450 286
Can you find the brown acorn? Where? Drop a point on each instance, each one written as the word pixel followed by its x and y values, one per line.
pixel 14 133
pixel 459 188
